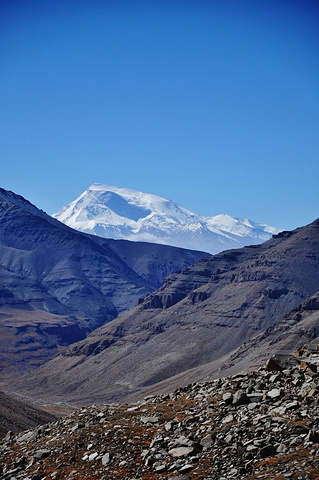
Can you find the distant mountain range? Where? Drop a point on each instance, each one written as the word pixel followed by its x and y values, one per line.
pixel 120 213
pixel 58 284
pixel 105 320
pixel 200 323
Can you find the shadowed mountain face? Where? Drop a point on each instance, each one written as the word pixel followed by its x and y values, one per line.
pixel 16 416
pixel 196 317
pixel 58 284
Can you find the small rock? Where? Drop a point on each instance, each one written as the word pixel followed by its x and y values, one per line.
pixel 168 426
pixel 282 448
pixel 267 451
pixel 292 405
pixel 106 459
pixel 313 436
pixel 228 419
pixel 133 409
pixel 240 398
pixel 228 398
pixel 149 419
pixel 207 441
pixel 160 468
pixel 275 393
pixel 186 468
pixel 181 451
pixel 40 454
pixel 9 436
pixel 184 441
pixel 93 456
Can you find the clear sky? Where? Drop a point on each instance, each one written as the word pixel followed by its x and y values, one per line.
pixel 213 104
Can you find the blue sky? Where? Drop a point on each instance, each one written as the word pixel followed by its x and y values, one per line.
pixel 212 104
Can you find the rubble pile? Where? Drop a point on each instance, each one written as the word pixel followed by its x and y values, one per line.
pixel 258 425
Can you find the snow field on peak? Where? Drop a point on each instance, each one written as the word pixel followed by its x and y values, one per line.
pixel 122 213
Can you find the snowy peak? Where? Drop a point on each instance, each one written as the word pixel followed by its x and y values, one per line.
pixel 239 226
pixel 122 213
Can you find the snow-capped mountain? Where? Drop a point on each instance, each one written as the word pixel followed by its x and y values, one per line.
pixel 121 213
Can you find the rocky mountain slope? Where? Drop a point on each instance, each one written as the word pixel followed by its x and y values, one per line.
pixel 115 212
pixel 199 316
pixel 298 327
pixel 17 416
pixel 58 284
pixel 260 425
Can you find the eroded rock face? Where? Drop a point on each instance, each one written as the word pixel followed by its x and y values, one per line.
pixel 195 431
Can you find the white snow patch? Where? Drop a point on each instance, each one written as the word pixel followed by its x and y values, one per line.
pixel 122 213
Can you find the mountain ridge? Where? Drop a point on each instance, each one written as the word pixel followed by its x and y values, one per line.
pixel 198 316
pixel 57 284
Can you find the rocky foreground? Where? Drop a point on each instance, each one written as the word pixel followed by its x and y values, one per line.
pixel 259 425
